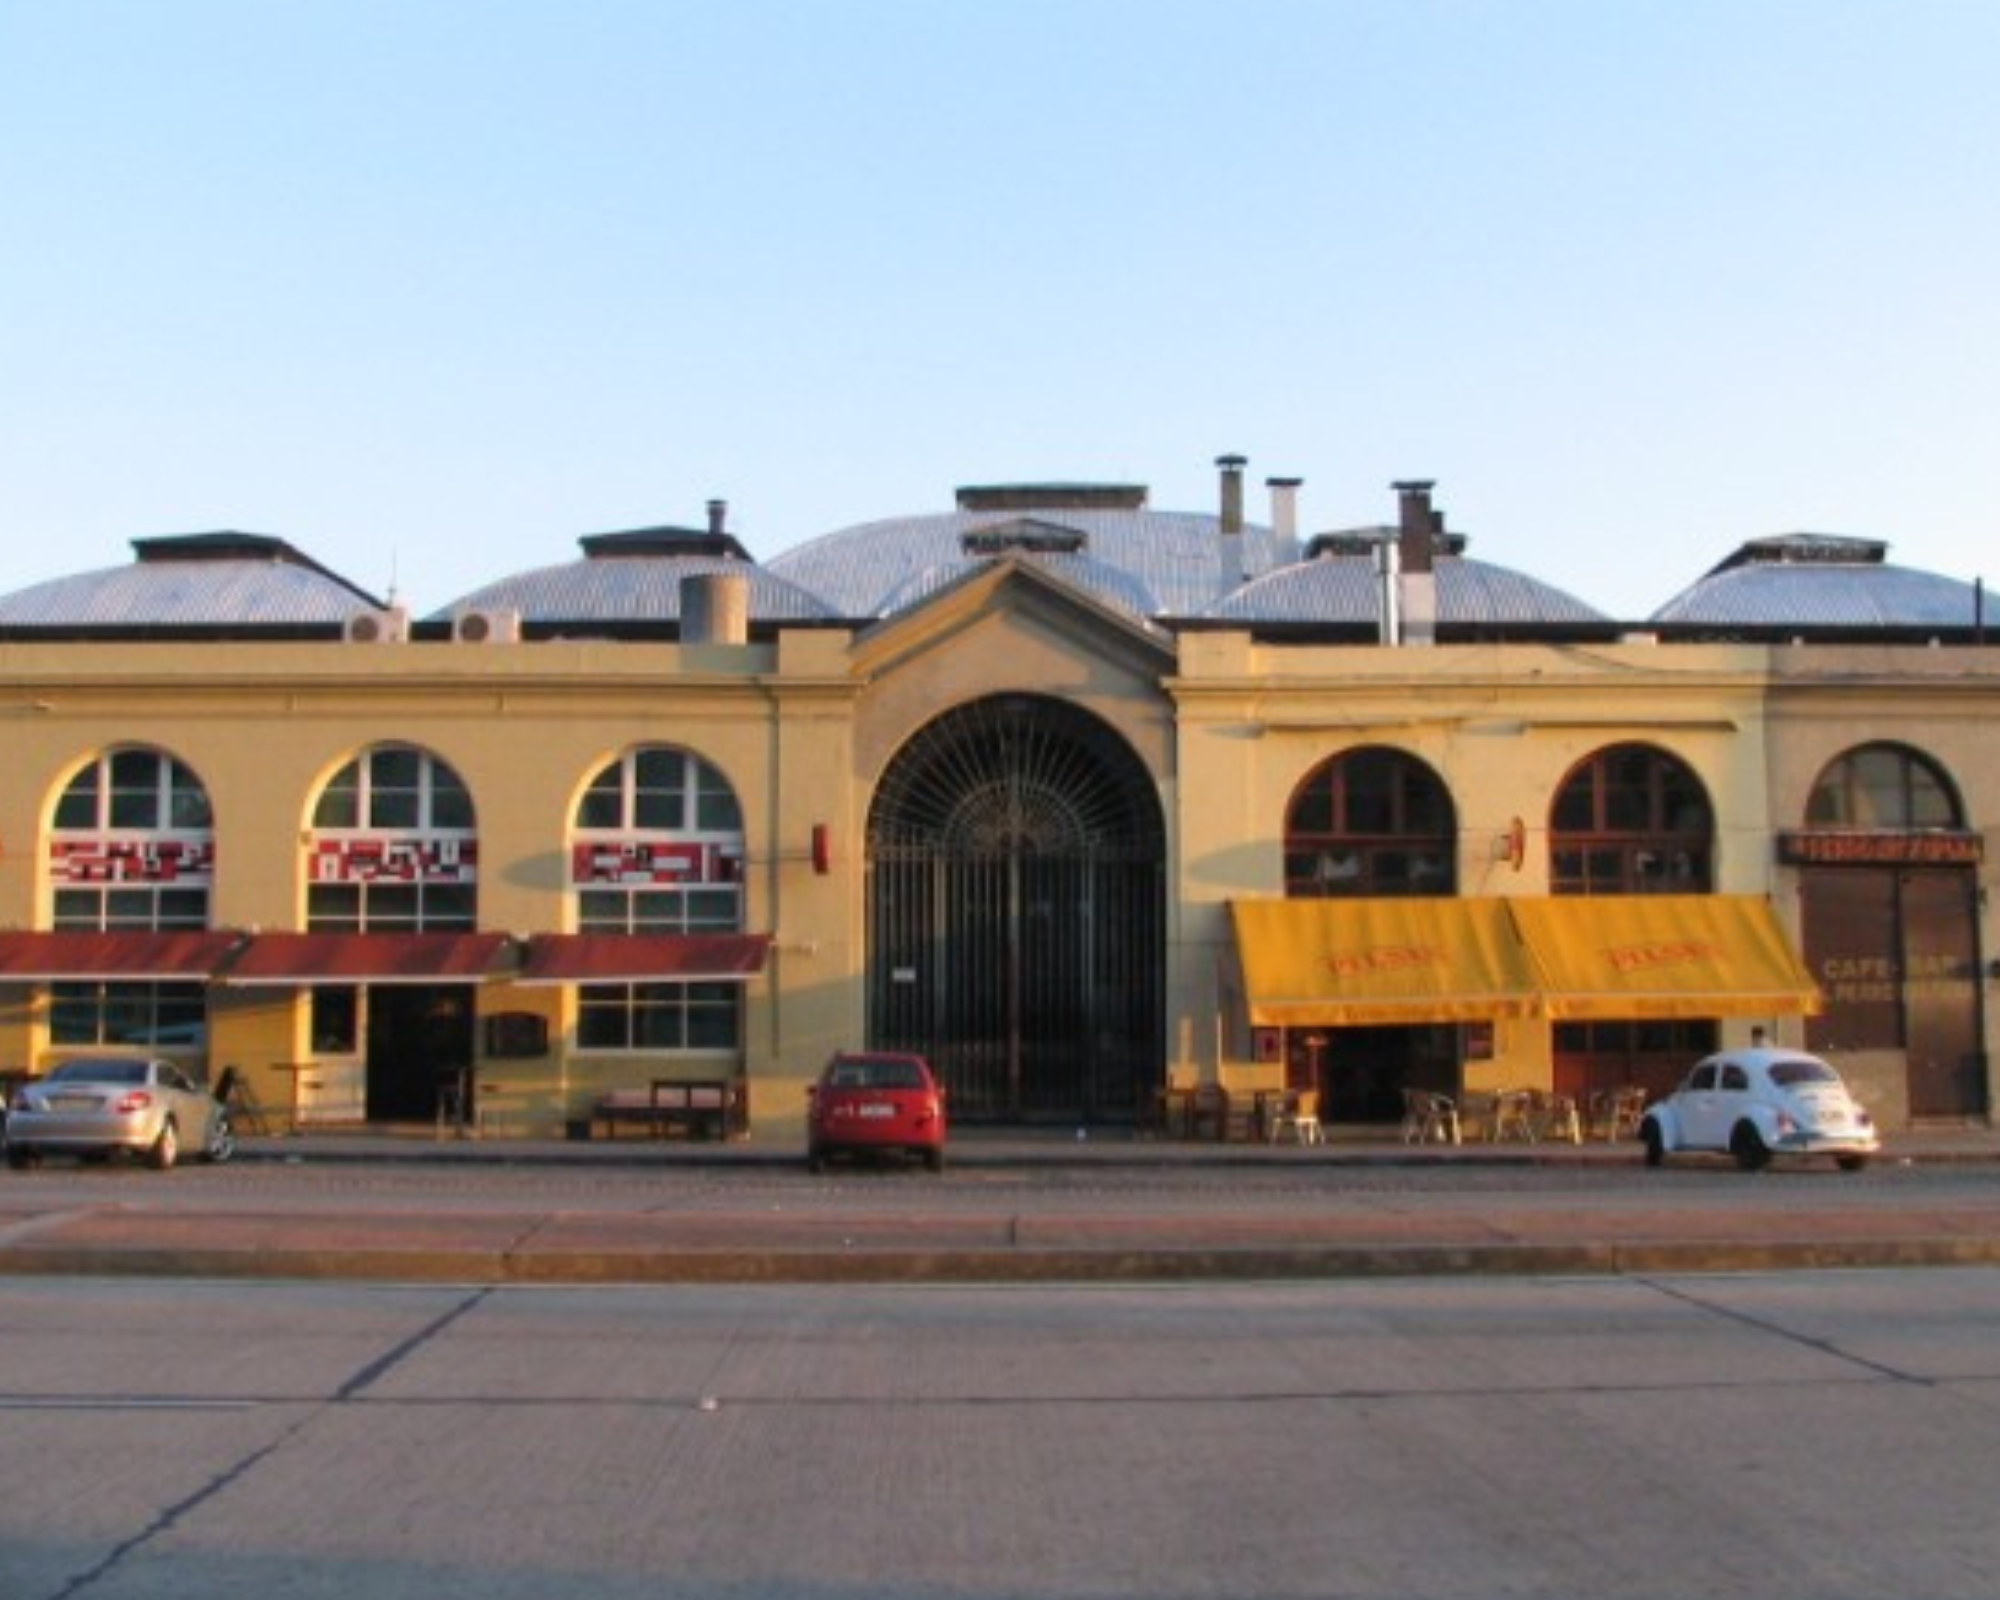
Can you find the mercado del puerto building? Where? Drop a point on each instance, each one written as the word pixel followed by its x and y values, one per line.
pixel 1092 802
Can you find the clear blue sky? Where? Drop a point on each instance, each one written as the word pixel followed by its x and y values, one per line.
pixel 431 287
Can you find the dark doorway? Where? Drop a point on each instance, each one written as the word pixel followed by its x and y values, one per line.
pixel 1016 867
pixel 1941 993
pixel 1366 1070
pixel 419 1044
pixel 1896 952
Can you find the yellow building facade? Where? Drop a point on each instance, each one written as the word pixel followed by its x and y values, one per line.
pixel 1010 822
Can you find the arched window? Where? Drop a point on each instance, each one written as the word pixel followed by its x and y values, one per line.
pixel 1632 820
pixel 1371 822
pixel 1882 786
pixel 393 847
pixel 658 848
pixel 131 848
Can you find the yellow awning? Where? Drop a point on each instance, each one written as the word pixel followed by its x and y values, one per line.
pixel 1350 963
pixel 1649 956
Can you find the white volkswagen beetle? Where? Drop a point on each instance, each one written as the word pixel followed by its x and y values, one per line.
pixel 1759 1103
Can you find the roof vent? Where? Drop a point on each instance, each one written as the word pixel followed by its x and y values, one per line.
pixel 1053 497
pixel 640 544
pixel 1024 534
pixel 390 625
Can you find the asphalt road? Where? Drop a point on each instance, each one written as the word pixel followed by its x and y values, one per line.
pixel 1817 1435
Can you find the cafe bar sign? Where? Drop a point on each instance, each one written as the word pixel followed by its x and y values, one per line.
pixel 1883 847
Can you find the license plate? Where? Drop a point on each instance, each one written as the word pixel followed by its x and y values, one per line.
pixel 875 1111
pixel 74 1102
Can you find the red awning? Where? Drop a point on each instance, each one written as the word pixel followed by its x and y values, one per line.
pixel 645 957
pixel 189 956
pixel 308 959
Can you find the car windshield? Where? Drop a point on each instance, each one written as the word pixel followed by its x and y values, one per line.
pixel 875 1075
pixel 120 1072
pixel 1790 1074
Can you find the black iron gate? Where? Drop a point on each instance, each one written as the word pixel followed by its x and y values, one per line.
pixel 1016 913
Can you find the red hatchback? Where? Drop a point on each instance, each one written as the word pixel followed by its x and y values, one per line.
pixel 875 1102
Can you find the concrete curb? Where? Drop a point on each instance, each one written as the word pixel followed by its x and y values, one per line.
pixel 872 1265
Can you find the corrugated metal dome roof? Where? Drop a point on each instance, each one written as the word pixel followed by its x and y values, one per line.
pixel 1105 539
pixel 636 577
pixel 204 580
pixel 1338 586
pixel 1813 580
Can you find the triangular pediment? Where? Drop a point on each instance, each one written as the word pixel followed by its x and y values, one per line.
pixel 1018 587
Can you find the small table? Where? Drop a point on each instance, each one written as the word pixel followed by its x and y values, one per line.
pixel 298 1071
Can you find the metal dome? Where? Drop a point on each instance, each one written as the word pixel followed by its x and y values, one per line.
pixel 1103 538
pixel 207 580
pixel 1820 581
pixel 1338 586
pixel 635 578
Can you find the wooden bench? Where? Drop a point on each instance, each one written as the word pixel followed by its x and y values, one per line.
pixel 705 1109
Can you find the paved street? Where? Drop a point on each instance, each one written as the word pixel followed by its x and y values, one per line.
pixel 1816 1435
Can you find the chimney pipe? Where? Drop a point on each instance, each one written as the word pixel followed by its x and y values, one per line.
pixel 718 515
pixel 715 608
pixel 1232 492
pixel 1285 509
pixel 1416 586
pixel 1389 593
pixel 1416 524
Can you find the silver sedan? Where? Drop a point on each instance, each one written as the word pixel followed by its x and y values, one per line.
pixel 100 1105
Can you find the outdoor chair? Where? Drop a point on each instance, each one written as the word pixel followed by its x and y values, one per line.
pixel 1208 1112
pixel 1555 1117
pixel 1513 1116
pixel 1429 1117
pixel 1298 1112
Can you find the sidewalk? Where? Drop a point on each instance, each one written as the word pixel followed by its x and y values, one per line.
pixel 1015 1148
pixel 1155 1211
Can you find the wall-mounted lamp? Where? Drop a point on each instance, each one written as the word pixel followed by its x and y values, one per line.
pixel 1512 845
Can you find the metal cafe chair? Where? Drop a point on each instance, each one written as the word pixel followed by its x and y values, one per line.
pixel 1429 1117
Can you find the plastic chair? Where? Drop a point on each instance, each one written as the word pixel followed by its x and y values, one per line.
pixel 1513 1116
pixel 1300 1113
pixel 1556 1117
pixel 1615 1113
pixel 1627 1112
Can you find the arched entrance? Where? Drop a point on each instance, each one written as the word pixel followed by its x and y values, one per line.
pixel 1889 885
pixel 1367 823
pixel 1016 913
pixel 1631 819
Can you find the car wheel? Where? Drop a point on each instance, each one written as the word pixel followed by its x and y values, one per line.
pixel 1749 1149
pixel 934 1158
pixel 166 1149
pixel 221 1140
pixel 1655 1143
pixel 815 1161
pixel 21 1157
pixel 1850 1163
